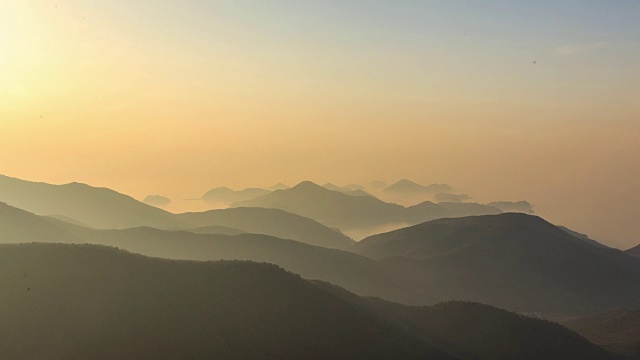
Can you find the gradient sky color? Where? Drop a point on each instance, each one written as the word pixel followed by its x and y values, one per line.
pixel 535 100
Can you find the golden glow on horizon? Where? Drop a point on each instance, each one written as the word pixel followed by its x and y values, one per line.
pixel 150 97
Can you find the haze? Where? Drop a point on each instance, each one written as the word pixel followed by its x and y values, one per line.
pixel 533 101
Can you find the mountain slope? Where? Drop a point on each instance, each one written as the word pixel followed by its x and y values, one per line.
pixel 107 209
pixel 227 196
pixel 513 261
pixel 618 332
pixel 357 273
pixel 19 226
pixel 70 302
pixel 405 186
pixel 353 214
pixel 96 207
pixel 476 331
pixel 272 222
pixel 332 208
pixel 635 251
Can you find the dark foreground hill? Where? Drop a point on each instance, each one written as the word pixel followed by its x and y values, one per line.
pixel 514 261
pixel 89 302
pixel 635 251
pixel 618 331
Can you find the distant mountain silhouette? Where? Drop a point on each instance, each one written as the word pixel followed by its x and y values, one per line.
pixel 378 184
pixel 357 273
pixel 451 198
pixel 339 210
pixel 69 301
pixel 513 261
pixel 469 209
pixel 634 251
pixel 495 272
pixel 96 207
pixel 278 186
pixel 516 206
pixel 354 190
pixel 618 331
pixel 272 222
pixel 84 205
pixel 19 226
pixel 227 196
pixel 405 186
pixel 332 208
pixel 156 200
pixel 583 237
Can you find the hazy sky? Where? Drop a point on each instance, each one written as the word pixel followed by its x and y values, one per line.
pixel 504 100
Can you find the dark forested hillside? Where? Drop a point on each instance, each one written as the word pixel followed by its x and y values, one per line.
pixel 514 261
pixel 88 302
pixel 617 331
pixel 92 302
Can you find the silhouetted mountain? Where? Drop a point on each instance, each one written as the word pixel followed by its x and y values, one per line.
pixel 354 190
pixel 357 273
pixel 273 222
pixel 513 206
pixel 405 186
pixel 513 261
pixel 349 213
pixel 19 226
pixel 618 331
pixel 469 209
pixel 403 280
pixel 278 186
pixel 96 207
pixel 450 198
pixel 634 251
pixel 474 331
pixel 156 200
pixel 331 208
pixel 227 196
pixel 71 302
pixel 583 237
pixel 378 184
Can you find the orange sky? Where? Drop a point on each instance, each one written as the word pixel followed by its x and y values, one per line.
pixel 177 98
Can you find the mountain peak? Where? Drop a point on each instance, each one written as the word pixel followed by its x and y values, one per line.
pixel 307 185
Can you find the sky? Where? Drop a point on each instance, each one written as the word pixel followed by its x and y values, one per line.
pixel 503 100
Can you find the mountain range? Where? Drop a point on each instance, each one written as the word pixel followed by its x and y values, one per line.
pixel 514 261
pixel 352 213
pixel 224 195
pixel 69 301
pixel 405 186
pixel 616 331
